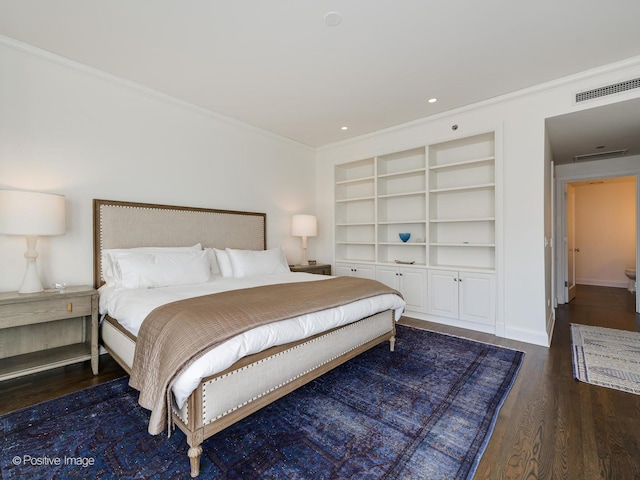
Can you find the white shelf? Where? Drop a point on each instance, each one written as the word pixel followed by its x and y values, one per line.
pixel 403 222
pixel 354 243
pixel 404 244
pixel 402 174
pixel 356 180
pixel 466 163
pixel 358 199
pixel 356 224
pixel 462 220
pixel 457 267
pixel 404 194
pixel 458 244
pixel 355 260
pixel 481 186
pixel 403 265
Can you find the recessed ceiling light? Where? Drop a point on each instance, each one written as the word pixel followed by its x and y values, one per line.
pixel 344 128
pixel 333 19
pixel 432 100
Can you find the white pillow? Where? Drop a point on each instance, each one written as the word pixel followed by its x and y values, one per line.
pixel 213 263
pixel 224 264
pixel 109 256
pixel 149 270
pixel 257 262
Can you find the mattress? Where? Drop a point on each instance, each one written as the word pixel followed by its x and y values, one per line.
pixel 131 306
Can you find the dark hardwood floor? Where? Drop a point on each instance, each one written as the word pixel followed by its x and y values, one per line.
pixel 31 389
pixel 550 427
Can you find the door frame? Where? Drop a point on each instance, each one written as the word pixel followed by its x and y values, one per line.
pixel 594 170
pixel 570 241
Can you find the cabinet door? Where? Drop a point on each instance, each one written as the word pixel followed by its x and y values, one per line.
pixel 364 271
pixel 477 298
pixel 443 293
pixel 413 286
pixel 388 276
pixel 343 270
pixel 355 270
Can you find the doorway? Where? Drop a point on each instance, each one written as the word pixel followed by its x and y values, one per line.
pixel 597 224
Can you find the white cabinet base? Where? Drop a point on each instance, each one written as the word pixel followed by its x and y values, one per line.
pixel 467 297
pixel 452 322
pixel 410 282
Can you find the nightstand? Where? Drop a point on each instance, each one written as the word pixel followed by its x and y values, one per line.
pixel 319 269
pixel 46 330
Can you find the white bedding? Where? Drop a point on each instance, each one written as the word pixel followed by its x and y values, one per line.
pixel 131 306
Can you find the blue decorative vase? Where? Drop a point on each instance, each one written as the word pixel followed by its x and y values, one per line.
pixel 404 236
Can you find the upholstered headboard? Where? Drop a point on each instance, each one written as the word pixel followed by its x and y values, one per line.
pixel 126 225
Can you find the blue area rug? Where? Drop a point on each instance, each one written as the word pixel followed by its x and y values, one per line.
pixel 425 411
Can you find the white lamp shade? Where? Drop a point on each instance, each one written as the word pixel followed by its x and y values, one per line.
pixel 304 226
pixel 31 213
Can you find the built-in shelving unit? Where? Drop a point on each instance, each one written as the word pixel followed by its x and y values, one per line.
pixel 355 192
pixel 444 196
pixel 402 207
pixel 462 203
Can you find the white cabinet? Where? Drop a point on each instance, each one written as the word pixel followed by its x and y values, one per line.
pixel 467 296
pixel 355 270
pixel 411 282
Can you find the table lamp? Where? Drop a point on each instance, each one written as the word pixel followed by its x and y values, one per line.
pixel 31 214
pixel 304 226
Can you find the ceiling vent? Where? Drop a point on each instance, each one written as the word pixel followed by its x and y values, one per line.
pixel 608 90
pixel 599 155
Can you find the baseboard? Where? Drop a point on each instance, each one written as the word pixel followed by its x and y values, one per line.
pixel 528 336
pixel 551 323
pixel 598 282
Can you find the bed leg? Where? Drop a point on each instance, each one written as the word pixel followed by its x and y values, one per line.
pixel 392 344
pixel 194 458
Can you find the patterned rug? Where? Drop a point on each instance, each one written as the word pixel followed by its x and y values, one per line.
pixel 606 357
pixel 425 411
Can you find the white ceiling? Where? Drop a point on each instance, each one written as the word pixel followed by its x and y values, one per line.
pixel 596 131
pixel 277 65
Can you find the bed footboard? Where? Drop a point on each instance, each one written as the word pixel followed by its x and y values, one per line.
pixel 234 394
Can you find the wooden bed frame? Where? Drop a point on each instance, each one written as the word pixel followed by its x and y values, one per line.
pixel 256 380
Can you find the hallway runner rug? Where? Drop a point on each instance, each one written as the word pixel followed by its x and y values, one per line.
pixel 606 357
pixel 425 411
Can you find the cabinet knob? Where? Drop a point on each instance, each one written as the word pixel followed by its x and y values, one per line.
pixel 455 279
pixel 460 280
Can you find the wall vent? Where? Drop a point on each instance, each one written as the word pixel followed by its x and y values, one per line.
pixel 599 155
pixel 608 90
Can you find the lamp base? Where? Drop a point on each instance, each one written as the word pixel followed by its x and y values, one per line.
pixel 31 282
pixel 304 251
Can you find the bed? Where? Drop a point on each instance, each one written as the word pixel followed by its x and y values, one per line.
pixel 210 391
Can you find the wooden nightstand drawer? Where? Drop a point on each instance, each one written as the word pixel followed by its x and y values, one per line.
pixel 43 311
pixel 318 269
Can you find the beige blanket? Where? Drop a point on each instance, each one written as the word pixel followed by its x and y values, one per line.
pixel 174 335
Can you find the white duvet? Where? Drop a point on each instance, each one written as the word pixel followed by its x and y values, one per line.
pixel 131 306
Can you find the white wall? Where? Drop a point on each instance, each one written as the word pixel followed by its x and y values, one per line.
pixel 523 266
pixel 68 129
pixel 605 226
